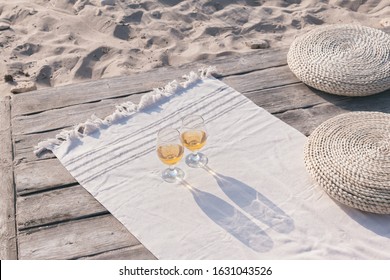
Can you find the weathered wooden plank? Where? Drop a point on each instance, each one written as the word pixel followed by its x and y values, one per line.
pixel 307 119
pixel 137 252
pixel 46 99
pixel 262 79
pixel 67 116
pixel 40 175
pixel 75 239
pixel 56 206
pixel 24 146
pixel 8 248
pixel 290 97
pixel 59 97
pixel 244 63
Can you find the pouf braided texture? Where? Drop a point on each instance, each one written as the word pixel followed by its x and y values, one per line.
pixel 349 157
pixel 345 59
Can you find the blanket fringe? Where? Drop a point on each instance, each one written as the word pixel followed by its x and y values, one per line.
pixel 123 110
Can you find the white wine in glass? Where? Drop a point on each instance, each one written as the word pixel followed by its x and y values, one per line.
pixel 170 151
pixel 193 137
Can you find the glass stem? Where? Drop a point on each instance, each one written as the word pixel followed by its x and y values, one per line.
pixel 171 167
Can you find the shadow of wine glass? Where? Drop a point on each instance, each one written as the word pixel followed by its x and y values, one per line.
pixel 254 203
pixel 231 220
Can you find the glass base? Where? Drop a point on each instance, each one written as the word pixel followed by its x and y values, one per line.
pixel 196 160
pixel 172 175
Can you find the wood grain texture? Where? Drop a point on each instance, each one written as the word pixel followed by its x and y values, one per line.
pixel 24 146
pixel 262 79
pixel 137 252
pixel 8 249
pixel 306 119
pixel 39 175
pixel 56 206
pixel 66 117
pixel 75 239
pixel 289 97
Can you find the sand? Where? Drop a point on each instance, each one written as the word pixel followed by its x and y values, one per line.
pixel 47 43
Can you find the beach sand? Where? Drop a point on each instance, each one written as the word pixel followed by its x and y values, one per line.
pixel 47 43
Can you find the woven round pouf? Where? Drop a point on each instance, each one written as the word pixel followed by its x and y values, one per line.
pixel 348 60
pixel 349 157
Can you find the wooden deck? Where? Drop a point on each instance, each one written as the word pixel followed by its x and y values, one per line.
pixel 46 214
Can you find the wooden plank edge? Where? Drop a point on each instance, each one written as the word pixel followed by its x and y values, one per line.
pixel 136 252
pixel 67 116
pixel 47 208
pixel 8 238
pixel 122 94
pixel 58 222
pixel 306 119
pixel 75 239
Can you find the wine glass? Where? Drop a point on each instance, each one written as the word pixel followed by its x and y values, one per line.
pixel 170 151
pixel 193 137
